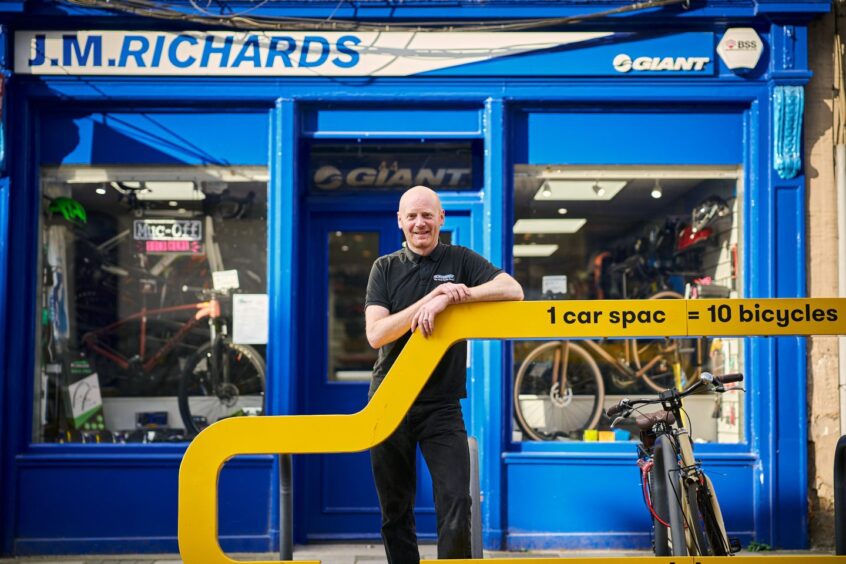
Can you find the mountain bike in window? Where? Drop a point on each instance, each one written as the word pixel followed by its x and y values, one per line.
pixel 142 351
pixel 686 515
pixel 564 380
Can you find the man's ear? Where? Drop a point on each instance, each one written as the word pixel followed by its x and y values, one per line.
pixel 399 221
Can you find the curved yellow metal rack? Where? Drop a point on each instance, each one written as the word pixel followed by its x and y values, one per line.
pixel 301 434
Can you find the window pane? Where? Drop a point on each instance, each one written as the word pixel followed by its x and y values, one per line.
pixel 623 234
pixel 351 254
pixel 138 280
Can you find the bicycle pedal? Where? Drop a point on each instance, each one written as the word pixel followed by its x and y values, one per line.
pixel 734 545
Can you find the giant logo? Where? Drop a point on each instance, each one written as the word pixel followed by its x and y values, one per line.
pixel 329 177
pixel 624 63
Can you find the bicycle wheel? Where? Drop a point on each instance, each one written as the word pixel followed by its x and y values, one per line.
pixel 203 393
pixel 660 358
pixel 545 411
pixel 667 468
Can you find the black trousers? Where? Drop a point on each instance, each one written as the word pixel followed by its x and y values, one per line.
pixel 439 430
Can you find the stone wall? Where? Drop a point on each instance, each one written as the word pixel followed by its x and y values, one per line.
pixel 823 391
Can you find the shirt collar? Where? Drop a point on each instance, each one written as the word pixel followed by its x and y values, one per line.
pixel 435 255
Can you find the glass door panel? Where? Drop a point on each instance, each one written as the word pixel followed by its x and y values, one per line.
pixel 351 254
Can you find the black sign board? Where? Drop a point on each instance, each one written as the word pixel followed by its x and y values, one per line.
pixel 391 167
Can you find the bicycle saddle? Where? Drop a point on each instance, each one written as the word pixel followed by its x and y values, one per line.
pixel 647 420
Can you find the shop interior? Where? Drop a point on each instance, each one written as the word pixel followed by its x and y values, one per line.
pixel 624 233
pixel 152 285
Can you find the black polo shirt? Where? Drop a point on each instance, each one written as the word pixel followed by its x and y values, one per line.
pixel 402 278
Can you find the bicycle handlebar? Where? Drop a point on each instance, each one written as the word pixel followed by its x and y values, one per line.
pixel 728 378
pixel 625 405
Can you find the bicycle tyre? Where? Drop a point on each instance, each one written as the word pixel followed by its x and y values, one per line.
pixel 666 467
pixel 248 378
pixel 587 377
pixel 658 495
pixel 660 377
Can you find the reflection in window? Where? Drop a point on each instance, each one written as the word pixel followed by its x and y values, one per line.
pixel 351 254
pixel 623 234
pixel 137 330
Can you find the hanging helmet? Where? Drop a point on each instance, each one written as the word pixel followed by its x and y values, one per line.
pixel 707 211
pixel 688 237
pixel 69 208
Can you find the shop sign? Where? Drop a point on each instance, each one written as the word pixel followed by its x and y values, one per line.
pixel 168 236
pixel 624 63
pixel 377 169
pixel 304 54
pixel 740 48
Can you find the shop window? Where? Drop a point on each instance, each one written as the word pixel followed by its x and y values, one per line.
pixel 152 320
pixel 624 233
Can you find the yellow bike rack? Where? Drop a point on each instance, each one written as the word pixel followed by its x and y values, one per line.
pixel 303 434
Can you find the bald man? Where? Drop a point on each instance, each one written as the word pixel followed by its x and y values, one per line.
pixel 406 291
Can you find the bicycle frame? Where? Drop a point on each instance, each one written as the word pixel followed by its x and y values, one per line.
pixel 208 309
pixel 691 473
pixel 624 366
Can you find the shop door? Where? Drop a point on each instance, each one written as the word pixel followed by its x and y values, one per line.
pixel 340 498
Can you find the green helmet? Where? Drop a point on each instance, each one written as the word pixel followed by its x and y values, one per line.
pixel 70 209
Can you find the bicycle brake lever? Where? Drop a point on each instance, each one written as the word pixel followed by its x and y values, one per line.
pixel 622 419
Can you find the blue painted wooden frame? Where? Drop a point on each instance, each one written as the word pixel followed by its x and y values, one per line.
pixel 765 274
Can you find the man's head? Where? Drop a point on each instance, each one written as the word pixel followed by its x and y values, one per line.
pixel 420 217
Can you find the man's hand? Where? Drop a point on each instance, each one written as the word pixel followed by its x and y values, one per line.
pixel 425 316
pixel 456 293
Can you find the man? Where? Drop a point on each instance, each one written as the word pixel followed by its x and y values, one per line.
pixel 407 289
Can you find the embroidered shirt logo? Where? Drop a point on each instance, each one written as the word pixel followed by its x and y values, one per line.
pixel 444 277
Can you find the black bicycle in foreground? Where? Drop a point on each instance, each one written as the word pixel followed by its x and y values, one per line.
pixel 681 499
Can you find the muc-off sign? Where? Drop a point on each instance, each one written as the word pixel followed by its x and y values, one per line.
pixel 167 236
pixel 441 166
pixel 310 54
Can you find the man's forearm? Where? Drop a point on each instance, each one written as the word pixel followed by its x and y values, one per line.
pixel 390 328
pixel 502 288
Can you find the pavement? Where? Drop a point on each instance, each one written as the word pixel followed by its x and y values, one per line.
pixel 354 553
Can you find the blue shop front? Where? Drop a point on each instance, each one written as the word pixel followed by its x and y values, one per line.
pixel 189 216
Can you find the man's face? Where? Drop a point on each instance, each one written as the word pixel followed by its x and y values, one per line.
pixel 420 217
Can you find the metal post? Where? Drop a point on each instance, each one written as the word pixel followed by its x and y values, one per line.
pixel 840 496
pixel 476 498
pixel 286 511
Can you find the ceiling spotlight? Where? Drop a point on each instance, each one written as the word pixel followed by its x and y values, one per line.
pixel 598 189
pixel 546 191
pixel 101 191
pixel 657 191
pixel 562 211
pixel 173 203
